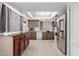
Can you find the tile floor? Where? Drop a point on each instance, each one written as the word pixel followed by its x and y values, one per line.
pixel 42 48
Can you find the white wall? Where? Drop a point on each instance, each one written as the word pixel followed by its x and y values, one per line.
pixel 74 29
pixel 25 26
pixel 14 22
pixel 68 29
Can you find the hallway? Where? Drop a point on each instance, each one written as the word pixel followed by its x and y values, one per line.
pixel 42 48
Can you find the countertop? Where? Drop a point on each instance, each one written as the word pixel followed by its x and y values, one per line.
pixel 15 33
pixel 10 33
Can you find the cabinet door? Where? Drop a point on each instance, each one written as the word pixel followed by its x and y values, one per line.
pixel 22 40
pixel 44 35
pixel 16 46
pixel 48 35
pixel 33 35
pixel 52 35
pixel 26 41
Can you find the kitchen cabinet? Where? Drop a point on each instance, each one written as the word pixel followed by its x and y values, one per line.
pixel 33 23
pixel 32 35
pixel 20 43
pixel 48 35
pixel 16 45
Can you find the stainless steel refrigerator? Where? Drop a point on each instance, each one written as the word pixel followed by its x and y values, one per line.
pixel 62 35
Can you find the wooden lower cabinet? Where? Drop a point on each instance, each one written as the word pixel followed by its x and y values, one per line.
pixel 20 43
pixel 16 45
pixel 48 35
pixel 32 35
pixel 26 42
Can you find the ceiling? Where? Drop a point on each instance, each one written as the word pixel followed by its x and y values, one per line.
pixel 41 14
pixel 24 7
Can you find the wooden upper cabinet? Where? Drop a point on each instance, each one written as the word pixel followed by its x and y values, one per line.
pixel 33 23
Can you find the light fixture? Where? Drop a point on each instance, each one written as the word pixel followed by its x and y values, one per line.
pixel 53 14
pixel 45 15
pixel 30 14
